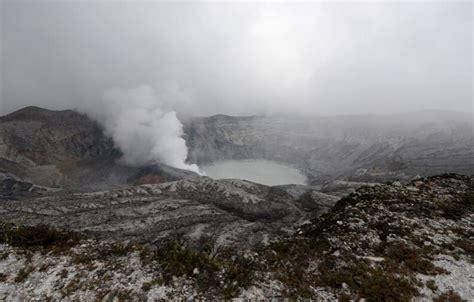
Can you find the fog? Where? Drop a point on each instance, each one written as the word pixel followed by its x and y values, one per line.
pixel 203 58
pixel 136 66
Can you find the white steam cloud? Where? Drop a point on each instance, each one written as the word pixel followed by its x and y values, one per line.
pixel 145 130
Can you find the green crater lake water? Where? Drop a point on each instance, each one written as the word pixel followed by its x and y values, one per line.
pixel 260 171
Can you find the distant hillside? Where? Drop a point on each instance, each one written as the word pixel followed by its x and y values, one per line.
pixel 359 148
pixel 65 149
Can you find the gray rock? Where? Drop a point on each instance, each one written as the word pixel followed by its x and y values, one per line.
pixel 224 212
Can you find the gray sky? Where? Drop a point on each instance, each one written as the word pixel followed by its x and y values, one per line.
pixel 239 58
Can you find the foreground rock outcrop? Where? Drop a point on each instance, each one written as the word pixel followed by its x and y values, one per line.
pixel 383 242
pixel 396 242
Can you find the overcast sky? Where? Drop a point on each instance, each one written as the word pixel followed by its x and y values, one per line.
pixel 240 58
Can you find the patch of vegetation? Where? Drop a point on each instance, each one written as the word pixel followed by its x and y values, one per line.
pixel 289 259
pixel 44 267
pixel 223 276
pixel 458 207
pixel 449 296
pixel 104 253
pixel 180 261
pixel 415 259
pixel 3 277
pixel 118 249
pixel 467 245
pixel 119 295
pixel 374 283
pixel 4 255
pixel 23 274
pixel 462 232
pixel 63 274
pixel 446 176
pixel 392 279
pixel 72 286
pixel 40 236
pixel 84 258
pixel 146 286
pixel 384 228
pixel 467 199
pixel 431 284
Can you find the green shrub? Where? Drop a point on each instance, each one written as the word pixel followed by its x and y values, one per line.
pixel 40 236
pixel 467 245
pixel 221 276
pixel 459 207
pixel 373 283
pixel 413 258
pixel 449 296
pixel 431 284
pixel 23 274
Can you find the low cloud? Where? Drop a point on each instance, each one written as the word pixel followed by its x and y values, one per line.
pixel 240 58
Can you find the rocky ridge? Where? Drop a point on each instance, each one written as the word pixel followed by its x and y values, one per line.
pixel 397 241
pixel 229 212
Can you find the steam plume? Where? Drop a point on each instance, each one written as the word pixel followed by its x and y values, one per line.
pixel 144 129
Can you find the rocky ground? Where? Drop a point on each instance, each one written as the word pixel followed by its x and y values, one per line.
pixel 397 241
pixel 383 242
pixel 228 212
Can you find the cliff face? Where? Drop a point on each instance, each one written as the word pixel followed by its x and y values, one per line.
pixel 358 148
pixel 45 146
pixel 34 136
pixel 66 149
